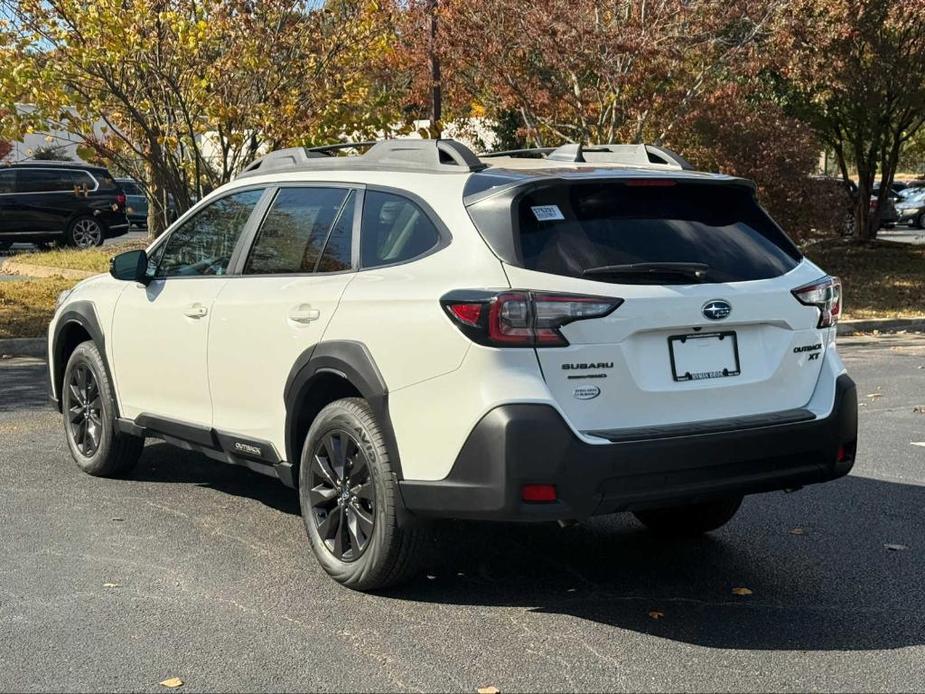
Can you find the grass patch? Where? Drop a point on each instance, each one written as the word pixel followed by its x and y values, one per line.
pixel 89 259
pixel 26 306
pixel 880 279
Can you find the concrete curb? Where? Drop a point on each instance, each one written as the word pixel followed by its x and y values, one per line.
pixel 15 267
pixel 883 325
pixel 24 347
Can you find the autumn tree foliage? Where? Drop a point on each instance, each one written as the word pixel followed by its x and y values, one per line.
pixel 735 130
pixel 5 148
pixel 190 90
pixel 593 71
pixel 854 70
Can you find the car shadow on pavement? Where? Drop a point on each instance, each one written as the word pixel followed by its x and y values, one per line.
pixel 162 462
pixel 817 564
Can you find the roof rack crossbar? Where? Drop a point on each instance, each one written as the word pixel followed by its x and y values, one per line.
pixel 401 153
pixel 540 151
pixel 610 153
pixel 336 146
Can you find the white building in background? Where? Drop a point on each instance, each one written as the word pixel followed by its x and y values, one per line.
pixel 53 136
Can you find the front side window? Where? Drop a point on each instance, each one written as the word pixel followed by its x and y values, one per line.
pixel 204 244
pixel 293 235
pixel 395 229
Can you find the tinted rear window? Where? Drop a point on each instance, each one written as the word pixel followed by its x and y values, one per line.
pixel 567 229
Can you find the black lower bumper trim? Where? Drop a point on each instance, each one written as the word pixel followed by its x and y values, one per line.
pixel 514 445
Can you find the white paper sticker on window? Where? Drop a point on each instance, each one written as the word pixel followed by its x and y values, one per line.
pixel 547 213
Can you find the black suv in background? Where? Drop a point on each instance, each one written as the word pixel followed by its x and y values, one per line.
pixel 43 201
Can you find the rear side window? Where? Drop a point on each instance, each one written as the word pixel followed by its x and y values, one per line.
pixel 203 245
pixel 580 229
pixel 293 235
pixel 52 180
pixel 395 229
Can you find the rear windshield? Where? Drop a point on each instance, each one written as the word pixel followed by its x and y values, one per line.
pixel 573 228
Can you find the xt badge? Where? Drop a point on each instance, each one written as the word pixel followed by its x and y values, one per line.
pixel 815 350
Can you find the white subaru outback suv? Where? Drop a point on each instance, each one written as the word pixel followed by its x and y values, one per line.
pixel 421 333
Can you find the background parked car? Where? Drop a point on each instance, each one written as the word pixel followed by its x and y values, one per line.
pixel 44 201
pixel 911 208
pixel 137 203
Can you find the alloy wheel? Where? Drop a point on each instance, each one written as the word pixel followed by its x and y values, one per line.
pixel 84 410
pixel 86 233
pixel 342 495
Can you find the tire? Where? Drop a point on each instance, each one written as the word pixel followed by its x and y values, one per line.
pixel 89 417
pixel 5 245
pixel 85 232
pixel 689 520
pixel 350 501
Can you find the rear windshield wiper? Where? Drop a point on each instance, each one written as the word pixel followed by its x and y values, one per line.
pixel 696 271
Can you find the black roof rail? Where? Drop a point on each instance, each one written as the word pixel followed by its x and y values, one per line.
pixel 439 156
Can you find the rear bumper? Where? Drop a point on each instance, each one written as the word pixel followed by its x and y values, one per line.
pixel 514 445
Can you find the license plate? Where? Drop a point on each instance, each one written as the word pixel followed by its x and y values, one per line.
pixel 703 355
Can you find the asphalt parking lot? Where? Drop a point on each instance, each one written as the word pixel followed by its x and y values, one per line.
pixel 201 571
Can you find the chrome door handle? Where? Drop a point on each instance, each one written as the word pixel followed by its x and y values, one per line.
pixel 196 311
pixel 304 313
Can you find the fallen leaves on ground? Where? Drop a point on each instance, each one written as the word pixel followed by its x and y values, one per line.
pixel 797 531
pixel 896 548
pixel 875 395
pixel 112 585
pixel 489 690
pixel 656 615
pixel 741 591
pixel 172 683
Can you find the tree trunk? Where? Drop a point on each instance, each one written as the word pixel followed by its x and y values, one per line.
pixel 157 203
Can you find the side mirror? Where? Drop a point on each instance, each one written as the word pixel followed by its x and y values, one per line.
pixel 131 266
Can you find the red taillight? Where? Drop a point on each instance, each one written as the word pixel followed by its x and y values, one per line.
pixel 824 294
pixel 522 318
pixel 466 313
pixel 120 199
pixel 538 493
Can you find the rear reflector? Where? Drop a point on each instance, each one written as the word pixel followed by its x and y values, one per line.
pixel 538 493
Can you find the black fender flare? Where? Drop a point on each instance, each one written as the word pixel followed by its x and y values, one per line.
pixel 352 361
pixel 83 314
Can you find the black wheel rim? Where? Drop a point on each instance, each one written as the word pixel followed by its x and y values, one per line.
pixel 84 410
pixel 342 495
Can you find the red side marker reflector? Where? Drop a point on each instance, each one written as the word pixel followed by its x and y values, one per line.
pixel 842 454
pixel 467 313
pixel 538 493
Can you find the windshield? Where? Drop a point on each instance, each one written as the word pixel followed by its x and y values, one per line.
pixel 913 194
pixel 651 231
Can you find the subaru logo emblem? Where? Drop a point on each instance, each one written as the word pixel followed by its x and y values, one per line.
pixel 716 309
